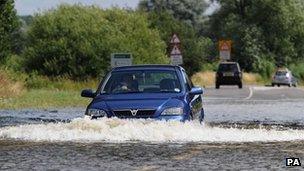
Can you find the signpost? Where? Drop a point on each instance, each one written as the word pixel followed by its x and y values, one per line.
pixel 225 49
pixel 121 59
pixel 176 57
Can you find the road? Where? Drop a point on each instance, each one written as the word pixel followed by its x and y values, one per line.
pixel 257 104
pixel 254 93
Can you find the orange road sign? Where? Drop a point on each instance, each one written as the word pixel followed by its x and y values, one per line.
pixel 225 45
pixel 225 49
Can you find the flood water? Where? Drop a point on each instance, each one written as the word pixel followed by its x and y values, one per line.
pixel 237 134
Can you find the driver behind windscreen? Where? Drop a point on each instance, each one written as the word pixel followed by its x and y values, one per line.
pixel 128 83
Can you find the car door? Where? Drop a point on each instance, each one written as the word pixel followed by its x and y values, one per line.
pixel 195 101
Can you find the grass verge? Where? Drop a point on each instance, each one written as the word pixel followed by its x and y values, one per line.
pixel 18 90
pixel 44 99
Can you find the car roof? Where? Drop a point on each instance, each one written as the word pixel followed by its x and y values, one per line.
pixel 147 67
pixel 283 69
pixel 228 63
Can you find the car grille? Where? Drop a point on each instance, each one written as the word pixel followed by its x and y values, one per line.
pixel 141 113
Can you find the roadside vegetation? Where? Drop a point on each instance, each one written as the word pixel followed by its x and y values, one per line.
pixel 20 90
pixel 47 58
pixel 9 87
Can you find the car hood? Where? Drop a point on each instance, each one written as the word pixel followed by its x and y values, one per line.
pixel 137 101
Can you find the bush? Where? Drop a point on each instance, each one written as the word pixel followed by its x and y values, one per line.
pixel 14 62
pixel 35 81
pixel 8 86
pixel 264 67
pixel 210 66
pixel 298 70
pixel 77 41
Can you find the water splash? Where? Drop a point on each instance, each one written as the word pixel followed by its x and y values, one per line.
pixel 117 130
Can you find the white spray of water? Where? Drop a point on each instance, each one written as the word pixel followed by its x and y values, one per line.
pixel 117 130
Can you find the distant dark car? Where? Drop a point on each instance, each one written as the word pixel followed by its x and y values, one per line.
pixel 161 92
pixel 228 73
pixel 284 77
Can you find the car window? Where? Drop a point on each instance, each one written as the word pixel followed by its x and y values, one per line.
pixel 281 73
pixel 228 68
pixel 153 81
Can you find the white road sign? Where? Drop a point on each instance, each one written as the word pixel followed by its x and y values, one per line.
pixel 176 56
pixel 175 51
pixel 225 55
pixel 121 59
pixel 176 59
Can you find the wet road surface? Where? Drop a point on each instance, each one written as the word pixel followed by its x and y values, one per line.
pixel 245 129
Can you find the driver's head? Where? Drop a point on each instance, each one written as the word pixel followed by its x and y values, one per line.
pixel 127 78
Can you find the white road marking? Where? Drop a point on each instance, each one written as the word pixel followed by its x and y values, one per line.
pixel 267 88
pixel 221 98
pixel 250 93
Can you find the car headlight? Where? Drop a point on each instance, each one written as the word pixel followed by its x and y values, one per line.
pixel 173 111
pixel 96 112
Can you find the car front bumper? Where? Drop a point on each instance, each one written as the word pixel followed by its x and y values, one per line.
pixel 180 118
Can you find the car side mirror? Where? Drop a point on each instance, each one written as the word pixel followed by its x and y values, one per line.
pixel 87 93
pixel 196 91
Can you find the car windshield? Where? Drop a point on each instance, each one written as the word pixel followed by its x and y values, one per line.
pixel 142 82
pixel 228 67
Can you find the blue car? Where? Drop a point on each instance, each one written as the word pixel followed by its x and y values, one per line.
pixel 162 92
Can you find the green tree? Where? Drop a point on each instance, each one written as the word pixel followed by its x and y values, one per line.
pixel 77 41
pixel 9 25
pixel 187 11
pixel 196 50
pixel 270 29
